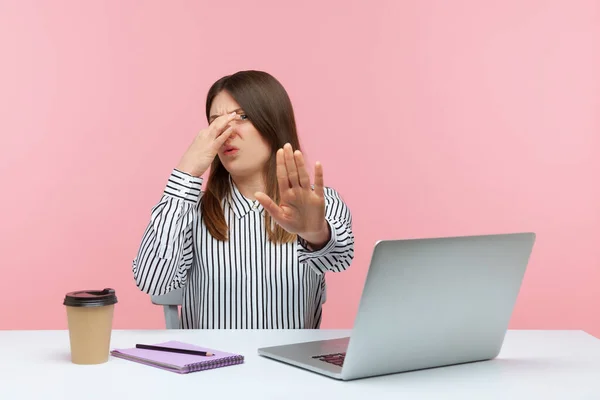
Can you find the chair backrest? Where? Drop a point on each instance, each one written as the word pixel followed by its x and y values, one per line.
pixel 170 302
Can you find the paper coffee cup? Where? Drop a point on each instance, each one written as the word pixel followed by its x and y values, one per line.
pixel 90 316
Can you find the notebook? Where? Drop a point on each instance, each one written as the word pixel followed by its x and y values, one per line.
pixel 177 362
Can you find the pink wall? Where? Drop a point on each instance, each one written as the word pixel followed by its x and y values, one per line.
pixel 465 117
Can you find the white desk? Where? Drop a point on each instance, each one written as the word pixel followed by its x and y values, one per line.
pixel 532 365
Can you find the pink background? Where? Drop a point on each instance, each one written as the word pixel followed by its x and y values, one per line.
pixel 430 117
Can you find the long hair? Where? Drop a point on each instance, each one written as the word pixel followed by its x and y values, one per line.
pixel 268 107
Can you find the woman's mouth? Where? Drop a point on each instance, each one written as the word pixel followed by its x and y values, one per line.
pixel 230 150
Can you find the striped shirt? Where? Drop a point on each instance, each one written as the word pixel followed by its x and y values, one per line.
pixel 246 282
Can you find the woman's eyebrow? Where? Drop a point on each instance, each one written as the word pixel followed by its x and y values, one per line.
pixel 229 112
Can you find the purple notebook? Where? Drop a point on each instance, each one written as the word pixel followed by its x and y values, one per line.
pixel 177 362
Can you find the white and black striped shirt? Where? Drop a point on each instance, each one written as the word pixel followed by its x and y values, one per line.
pixel 246 282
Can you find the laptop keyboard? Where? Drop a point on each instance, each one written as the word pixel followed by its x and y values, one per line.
pixel 335 358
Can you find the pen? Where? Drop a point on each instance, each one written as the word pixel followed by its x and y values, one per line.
pixel 173 350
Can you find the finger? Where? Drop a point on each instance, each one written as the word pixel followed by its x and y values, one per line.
pixel 282 176
pixel 303 177
pixel 319 185
pixel 290 165
pixel 221 123
pixel 222 138
pixel 270 206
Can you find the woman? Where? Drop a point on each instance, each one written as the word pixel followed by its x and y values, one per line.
pixel 251 247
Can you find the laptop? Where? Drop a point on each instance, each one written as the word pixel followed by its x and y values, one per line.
pixel 426 303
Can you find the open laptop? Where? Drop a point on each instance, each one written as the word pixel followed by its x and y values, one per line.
pixel 426 303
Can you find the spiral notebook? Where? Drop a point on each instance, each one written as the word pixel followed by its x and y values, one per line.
pixel 180 363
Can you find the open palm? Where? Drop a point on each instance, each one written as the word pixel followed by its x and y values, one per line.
pixel 301 209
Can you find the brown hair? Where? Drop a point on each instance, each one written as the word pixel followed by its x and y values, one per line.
pixel 268 107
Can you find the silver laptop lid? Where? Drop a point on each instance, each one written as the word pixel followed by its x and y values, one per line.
pixel 434 302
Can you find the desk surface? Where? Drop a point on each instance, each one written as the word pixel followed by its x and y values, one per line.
pixel 531 365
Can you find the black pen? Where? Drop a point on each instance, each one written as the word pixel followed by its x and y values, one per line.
pixel 173 350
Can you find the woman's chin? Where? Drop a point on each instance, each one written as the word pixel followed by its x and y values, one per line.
pixel 227 162
pixel 232 168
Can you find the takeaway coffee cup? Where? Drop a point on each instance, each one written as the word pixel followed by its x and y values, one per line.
pixel 90 316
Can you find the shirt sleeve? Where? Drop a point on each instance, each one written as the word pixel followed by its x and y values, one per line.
pixel 166 252
pixel 338 252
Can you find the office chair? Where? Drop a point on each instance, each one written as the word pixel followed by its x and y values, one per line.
pixel 170 302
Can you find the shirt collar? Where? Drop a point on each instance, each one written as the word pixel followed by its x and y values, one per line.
pixel 241 205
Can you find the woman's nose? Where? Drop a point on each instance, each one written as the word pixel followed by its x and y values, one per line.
pixel 232 135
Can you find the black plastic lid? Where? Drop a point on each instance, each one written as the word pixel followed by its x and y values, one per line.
pixel 91 298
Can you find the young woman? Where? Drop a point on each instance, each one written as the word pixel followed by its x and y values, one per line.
pixel 250 247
